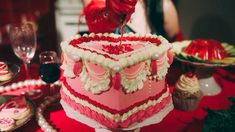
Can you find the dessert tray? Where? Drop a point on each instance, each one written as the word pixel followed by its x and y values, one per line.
pixel 5 99
pixel 205 68
pixel 178 47
pixel 14 69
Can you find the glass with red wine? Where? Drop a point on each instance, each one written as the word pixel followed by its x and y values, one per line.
pixel 49 69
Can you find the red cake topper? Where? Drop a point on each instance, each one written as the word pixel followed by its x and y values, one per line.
pixel 117 49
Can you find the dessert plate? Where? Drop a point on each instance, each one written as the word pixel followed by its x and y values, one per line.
pixel 20 122
pixel 14 69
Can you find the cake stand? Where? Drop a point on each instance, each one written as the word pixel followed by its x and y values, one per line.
pixel 203 71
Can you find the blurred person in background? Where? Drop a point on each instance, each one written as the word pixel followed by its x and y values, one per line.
pixel 142 16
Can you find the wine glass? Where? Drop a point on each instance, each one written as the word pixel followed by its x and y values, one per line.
pixel 49 68
pixel 23 42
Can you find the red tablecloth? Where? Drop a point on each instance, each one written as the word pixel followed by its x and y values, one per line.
pixel 176 120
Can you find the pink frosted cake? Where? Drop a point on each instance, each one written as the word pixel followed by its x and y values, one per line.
pixel 108 85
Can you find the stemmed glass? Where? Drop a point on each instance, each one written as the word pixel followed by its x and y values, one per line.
pixel 49 68
pixel 23 42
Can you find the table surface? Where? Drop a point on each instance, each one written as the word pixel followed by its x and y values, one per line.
pixel 175 121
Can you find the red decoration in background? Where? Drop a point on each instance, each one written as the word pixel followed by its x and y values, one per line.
pixel 117 49
pixel 116 81
pixel 106 15
pixel 2 66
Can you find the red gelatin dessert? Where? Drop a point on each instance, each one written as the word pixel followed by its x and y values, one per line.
pixel 206 49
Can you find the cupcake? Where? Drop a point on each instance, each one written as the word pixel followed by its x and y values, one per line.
pixel 5 74
pixel 187 94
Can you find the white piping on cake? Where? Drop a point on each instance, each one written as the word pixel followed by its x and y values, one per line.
pixel 67 70
pixel 107 62
pixel 94 87
pixel 132 85
pixel 116 66
pixel 161 73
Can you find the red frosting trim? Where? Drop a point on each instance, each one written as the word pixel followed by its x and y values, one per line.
pixel 16 102
pixel 76 42
pixel 111 123
pixel 82 39
pixel 4 72
pixel 93 51
pixel 2 67
pixel 110 110
pixel 117 49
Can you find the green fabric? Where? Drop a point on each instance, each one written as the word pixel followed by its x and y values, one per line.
pixel 220 120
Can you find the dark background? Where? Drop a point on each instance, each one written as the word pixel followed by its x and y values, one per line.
pixel 207 19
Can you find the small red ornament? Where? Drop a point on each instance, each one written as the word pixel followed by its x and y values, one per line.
pixel 116 81
pixel 153 66
pixel 77 68
pixel 117 49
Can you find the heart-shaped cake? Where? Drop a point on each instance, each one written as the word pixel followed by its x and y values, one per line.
pixel 108 84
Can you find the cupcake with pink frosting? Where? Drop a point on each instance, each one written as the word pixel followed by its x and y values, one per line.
pixel 187 94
